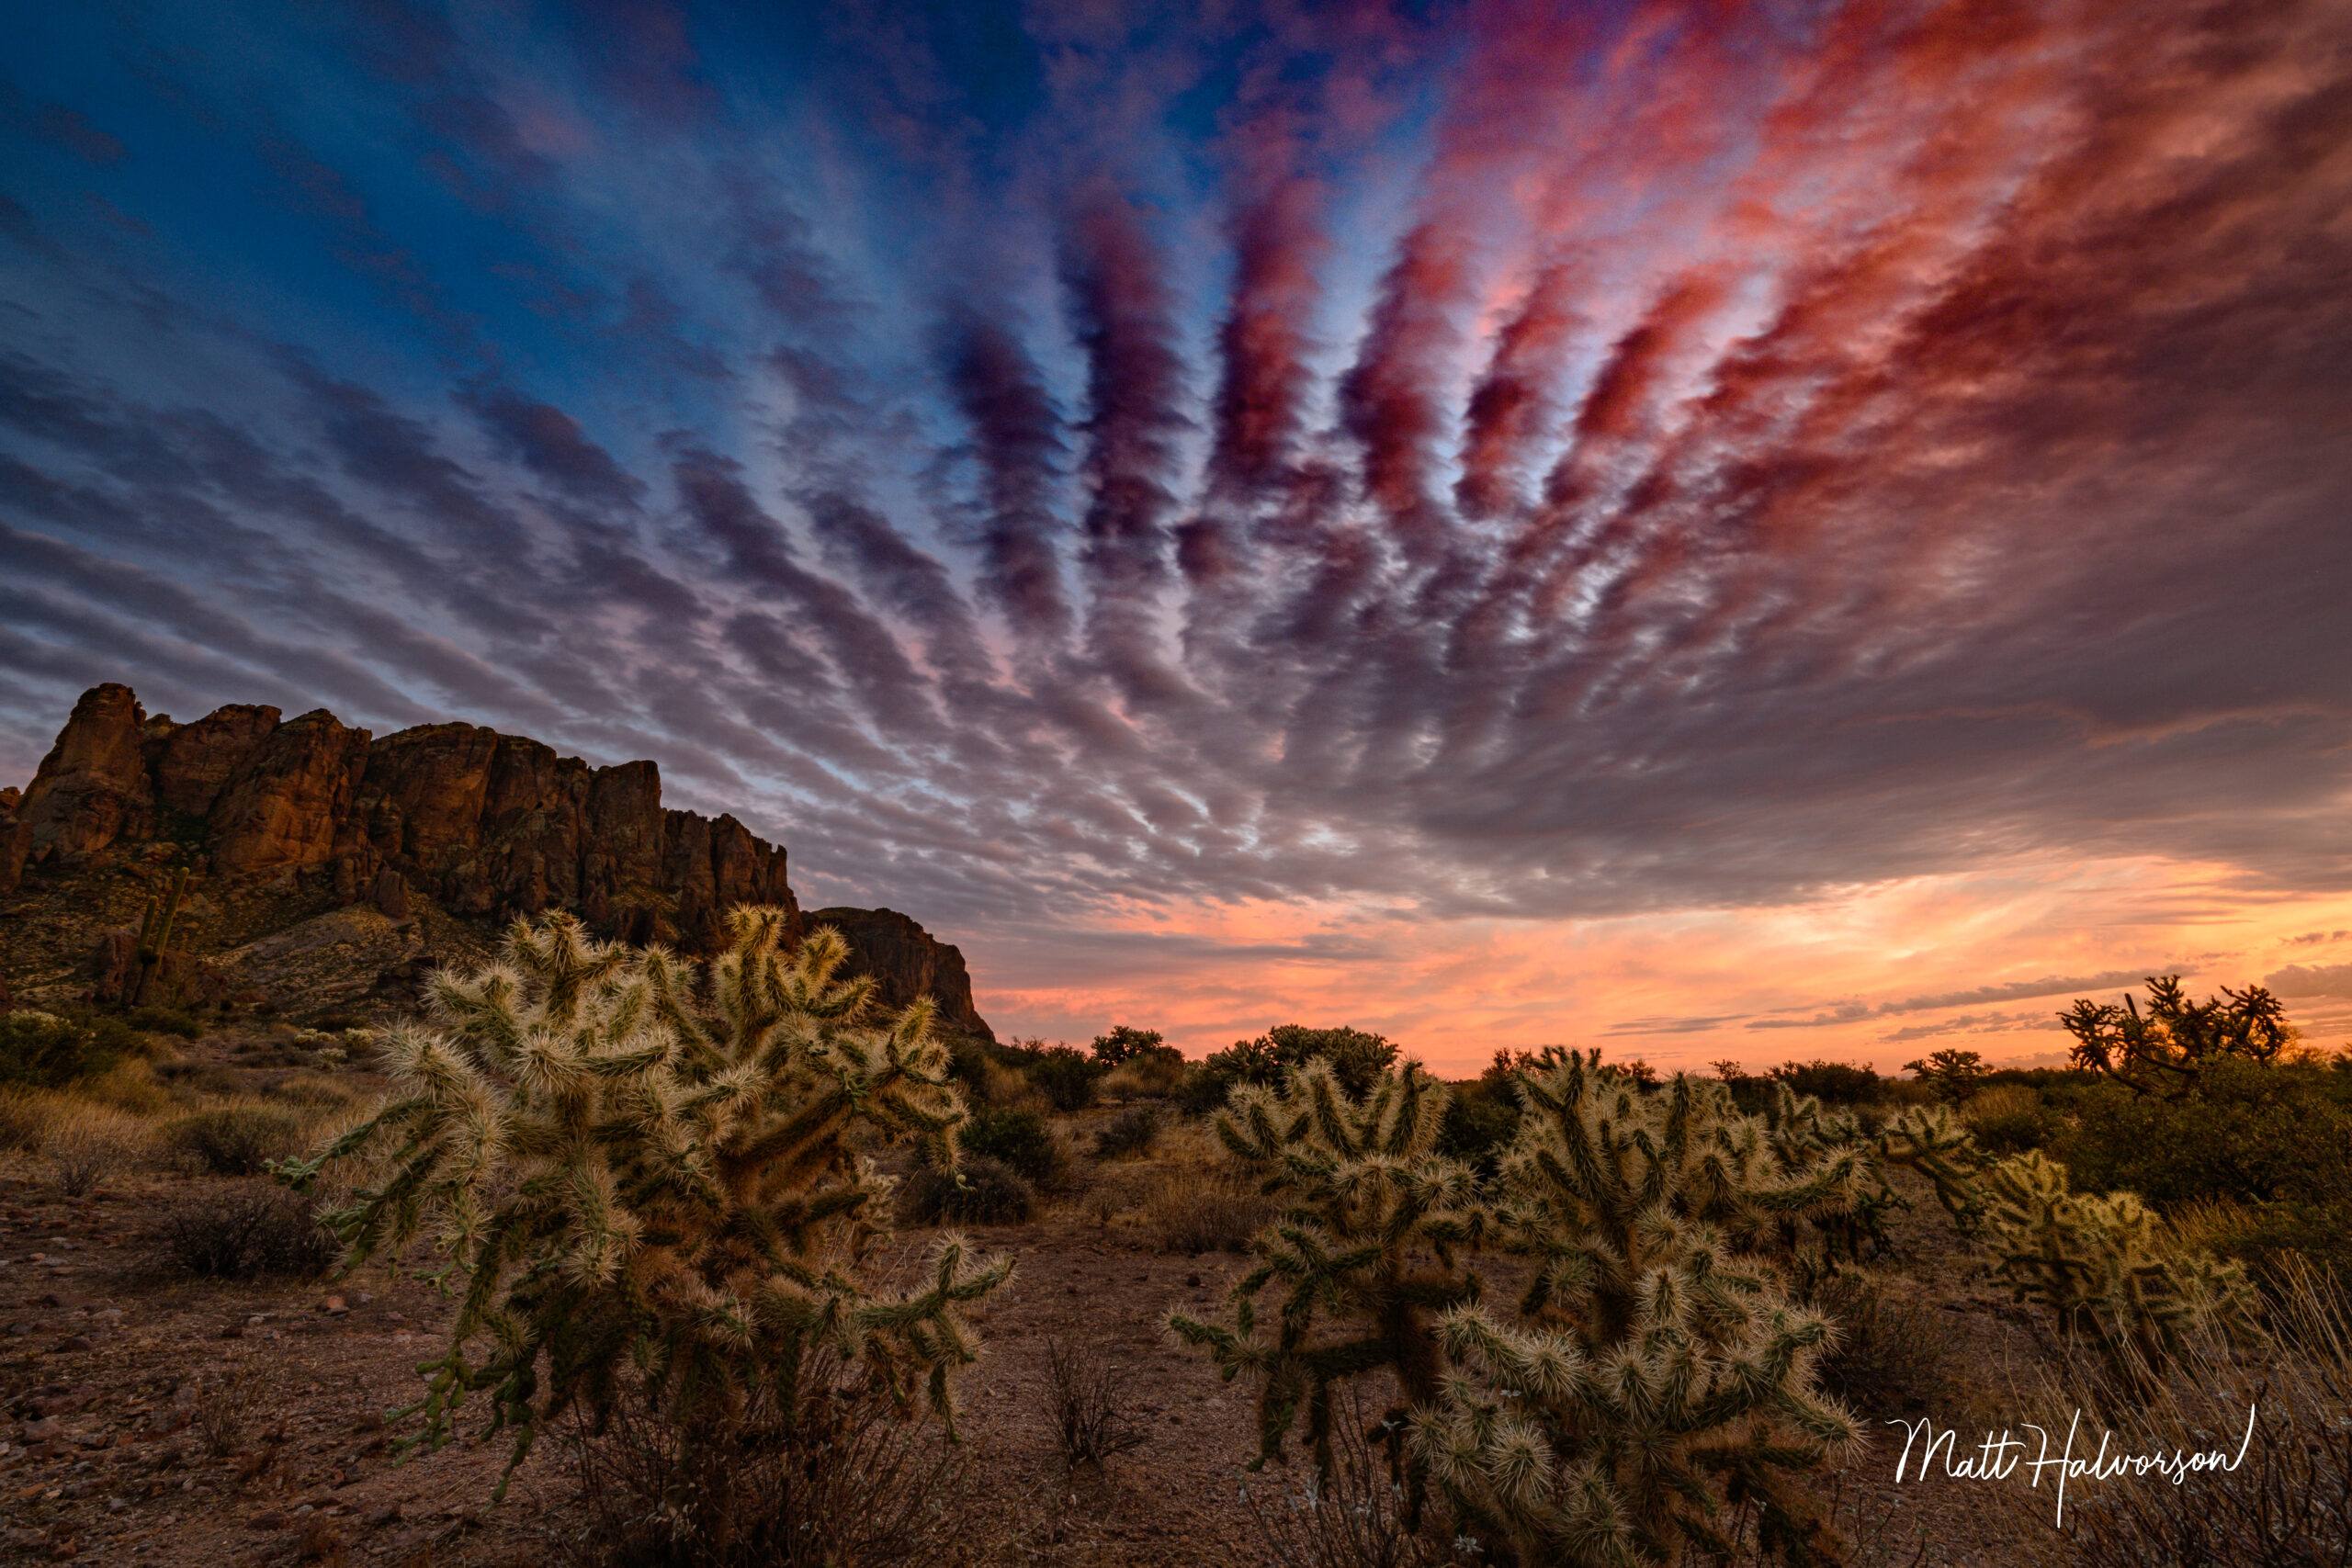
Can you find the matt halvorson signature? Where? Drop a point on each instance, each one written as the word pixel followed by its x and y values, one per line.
pixel 1995 1461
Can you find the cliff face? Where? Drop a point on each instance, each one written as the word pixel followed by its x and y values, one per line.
pixel 480 823
pixel 906 960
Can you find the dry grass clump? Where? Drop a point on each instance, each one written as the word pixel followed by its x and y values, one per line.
pixel 1195 1212
pixel 2289 1500
pixel 1090 1419
pixel 2000 1101
pixel 842 1480
pixel 1153 1075
pixel 1355 1516
pixel 86 1143
pixel 1008 1089
pixel 26 1116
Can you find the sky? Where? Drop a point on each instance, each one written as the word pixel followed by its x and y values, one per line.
pixel 1718 531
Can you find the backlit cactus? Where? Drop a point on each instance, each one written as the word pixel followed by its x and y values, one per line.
pixel 2101 1265
pixel 1364 1254
pixel 1651 1377
pixel 634 1160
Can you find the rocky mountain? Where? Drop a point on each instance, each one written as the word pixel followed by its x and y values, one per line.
pixel 446 827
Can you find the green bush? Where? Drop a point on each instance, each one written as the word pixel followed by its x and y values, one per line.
pixel 233 1140
pixel 2275 1137
pixel 40 1050
pixel 1132 1132
pixel 1019 1140
pixel 1123 1043
pixel 1832 1083
pixel 2012 1131
pixel 989 1193
pixel 1478 1126
pixel 1357 1060
pixel 1065 1075
pixel 166 1021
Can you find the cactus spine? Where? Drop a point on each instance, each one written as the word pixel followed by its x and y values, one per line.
pixel 628 1160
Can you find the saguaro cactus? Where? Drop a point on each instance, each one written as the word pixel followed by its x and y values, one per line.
pixel 627 1159
pixel 155 934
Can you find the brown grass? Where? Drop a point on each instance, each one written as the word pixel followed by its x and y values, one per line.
pixel 1194 1212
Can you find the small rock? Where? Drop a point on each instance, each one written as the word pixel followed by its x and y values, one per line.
pixel 390 1514
pixel 335 1307
pixel 272 1521
pixel 1193 1281
pixel 73 1344
pixel 44 1430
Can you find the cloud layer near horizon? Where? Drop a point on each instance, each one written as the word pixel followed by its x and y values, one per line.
pixel 1062 470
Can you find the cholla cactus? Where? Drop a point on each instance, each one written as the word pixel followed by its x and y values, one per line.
pixel 1365 1247
pixel 2101 1264
pixel 1657 1358
pixel 1653 1372
pixel 1937 1145
pixel 1366 1244
pixel 625 1159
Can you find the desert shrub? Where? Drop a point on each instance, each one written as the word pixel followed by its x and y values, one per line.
pixel 831 1475
pixel 1832 1083
pixel 2008 1120
pixel 1195 1212
pixel 639 1161
pixel 40 1050
pixel 1133 1132
pixel 86 1143
pixel 981 1192
pixel 129 1086
pixel 1477 1127
pixel 1065 1075
pixel 1122 1044
pixel 2274 1138
pixel 1021 1140
pixel 231 1140
pixel 224 1408
pixel 166 1021
pixel 1158 1073
pixel 1651 1371
pixel 1089 1405
pixel 242 1233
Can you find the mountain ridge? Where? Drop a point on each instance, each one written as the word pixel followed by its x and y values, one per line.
pixel 297 817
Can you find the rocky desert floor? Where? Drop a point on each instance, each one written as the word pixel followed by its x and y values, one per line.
pixel 156 1418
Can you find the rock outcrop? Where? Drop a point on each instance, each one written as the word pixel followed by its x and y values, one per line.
pixel 483 825
pixel 906 961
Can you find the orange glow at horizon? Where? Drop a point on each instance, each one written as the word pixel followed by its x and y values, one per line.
pixel 1878 975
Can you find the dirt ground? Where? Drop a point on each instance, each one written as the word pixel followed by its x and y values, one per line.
pixel 106 1363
